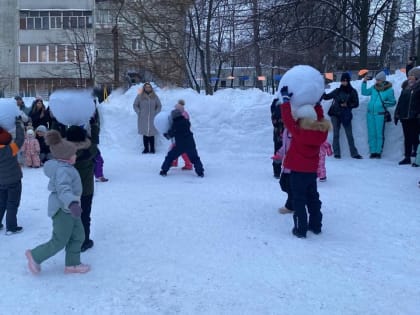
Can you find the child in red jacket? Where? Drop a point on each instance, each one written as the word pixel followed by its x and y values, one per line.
pixel 302 159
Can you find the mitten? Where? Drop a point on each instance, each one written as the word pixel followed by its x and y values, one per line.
pixel 284 91
pixel 75 209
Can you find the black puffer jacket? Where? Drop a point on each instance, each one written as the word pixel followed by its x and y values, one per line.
pixel 408 106
pixel 343 94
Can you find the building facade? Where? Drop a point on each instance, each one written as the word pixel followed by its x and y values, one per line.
pixel 48 44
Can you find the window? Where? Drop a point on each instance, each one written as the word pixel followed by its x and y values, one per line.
pixel 51 53
pixel 24 53
pixel 44 20
pixel 45 23
pixel 61 53
pixel 55 22
pixel 42 52
pixel 33 53
pixel 136 44
pixel 80 54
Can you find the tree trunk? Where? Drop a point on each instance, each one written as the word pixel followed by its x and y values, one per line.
pixel 364 32
pixel 255 43
pixel 389 32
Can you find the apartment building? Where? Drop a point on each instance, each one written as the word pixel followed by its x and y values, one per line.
pixel 49 44
pixel 44 45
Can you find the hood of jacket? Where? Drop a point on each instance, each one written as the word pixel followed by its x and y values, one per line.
pixel 383 86
pixel 50 167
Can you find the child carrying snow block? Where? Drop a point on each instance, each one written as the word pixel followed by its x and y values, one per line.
pixel 184 139
pixel 302 159
pixel 188 166
pixel 63 207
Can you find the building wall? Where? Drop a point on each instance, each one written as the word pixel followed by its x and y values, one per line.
pixel 58 5
pixel 8 48
pixel 50 53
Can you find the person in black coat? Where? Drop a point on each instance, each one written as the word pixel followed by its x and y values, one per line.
pixel 408 112
pixel 184 143
pixel 277 134
pixel 39 115
pixel 345 98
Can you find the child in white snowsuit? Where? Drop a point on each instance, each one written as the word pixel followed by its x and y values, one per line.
pixel 63 207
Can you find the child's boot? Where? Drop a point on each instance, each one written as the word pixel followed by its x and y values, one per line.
pixel 82 268
pixel 32 265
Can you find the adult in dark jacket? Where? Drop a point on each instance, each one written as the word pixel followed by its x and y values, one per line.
pixel 345 98
pixel 184 143
pixel 277 134
pixel 39 114
pixel 10 177
pixel 87 150
pixel 408 112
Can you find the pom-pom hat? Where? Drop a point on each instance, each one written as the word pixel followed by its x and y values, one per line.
pixel 60 148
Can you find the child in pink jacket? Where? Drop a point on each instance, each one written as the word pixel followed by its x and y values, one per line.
pixel 324 150
pixel 31 150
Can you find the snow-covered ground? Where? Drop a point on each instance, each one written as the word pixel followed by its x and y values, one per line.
pixel 217 245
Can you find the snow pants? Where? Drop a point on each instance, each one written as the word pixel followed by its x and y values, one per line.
pixel 67 233
pixel 9 203
pixel 376 130
pixel 305 195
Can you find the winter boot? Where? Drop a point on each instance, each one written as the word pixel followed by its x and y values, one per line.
pixel 82 268
pixel 32 265
pixel 405 161
pixel 152 144
pixel 284 210
pixel 146 144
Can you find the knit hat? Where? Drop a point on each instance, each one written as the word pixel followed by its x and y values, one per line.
pixel 345 77
pixel 41 128
pixel 18 97
pixel 30 132
pixel 76 134
pixel 381 76
pixel 305 111
pixel 415 72
pixel 60 148
pixel 5 137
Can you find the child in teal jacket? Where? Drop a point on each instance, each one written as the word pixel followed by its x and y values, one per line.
pixel 381 96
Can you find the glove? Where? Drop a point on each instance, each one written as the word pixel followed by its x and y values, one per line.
pixel 284 91
pixel 395 121
pixel 75 210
